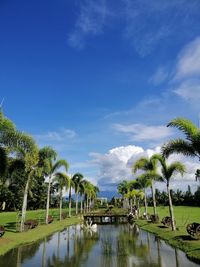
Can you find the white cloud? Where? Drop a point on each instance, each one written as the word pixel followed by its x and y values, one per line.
pixel 159 76
pixel 56 136
pixel 189 61
pixel 163 19
pixel 187 73
pixel 91 21
pixel 142 132
pixel 189 90
pixel 115 165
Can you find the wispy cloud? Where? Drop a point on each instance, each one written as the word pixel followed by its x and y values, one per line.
pixel 187 73
pixel 159 76
pixel 56 136
pixel 188 64
pixel 142 132
pixel 91 21
pixel 145 23
pixel 150 22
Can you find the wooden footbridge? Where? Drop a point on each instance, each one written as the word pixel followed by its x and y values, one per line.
pixel 106 218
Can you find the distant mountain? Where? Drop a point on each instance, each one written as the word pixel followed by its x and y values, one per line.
pixel 108 194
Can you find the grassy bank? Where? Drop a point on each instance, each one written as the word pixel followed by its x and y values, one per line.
pixel 12 239
pixel 180 238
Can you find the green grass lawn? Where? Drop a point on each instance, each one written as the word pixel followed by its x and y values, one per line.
pixel 8 219
pixel 179 238
pixel 12 239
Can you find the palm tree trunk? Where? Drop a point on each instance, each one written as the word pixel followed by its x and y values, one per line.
pixel 171 212
pixel 145 203
pixel 24 206
pixel 60 204
pixel 90 204
pixel 70 200
pixel 154 198
pixel 81 205
pixel 48 200
pixel 131 201
pixel 134 200
pixel 77 203
pixel 87 205
pixel 138 207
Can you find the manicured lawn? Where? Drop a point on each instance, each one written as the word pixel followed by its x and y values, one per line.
pixel 13 239
pixel 179 238
pixel 8 219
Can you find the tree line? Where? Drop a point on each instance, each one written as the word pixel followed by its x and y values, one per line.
pixel 30 176
pixel 136 190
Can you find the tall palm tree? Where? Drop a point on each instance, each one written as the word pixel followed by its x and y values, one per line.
pixel 54 166
pixel 143 182
pixel 77 178
pixel 63 181
pixel 82 192
pixel 149 165
pixel 167 171
pixel 29 154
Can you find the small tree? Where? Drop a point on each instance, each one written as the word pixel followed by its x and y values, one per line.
pixel 166 174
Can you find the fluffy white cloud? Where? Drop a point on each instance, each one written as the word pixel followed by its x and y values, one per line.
pixel 142 132
pixel 115 165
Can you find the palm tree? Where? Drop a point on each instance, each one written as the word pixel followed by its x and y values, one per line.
pixel 54 166
pixel 9 138
pixel 29 154
pixel 91 192
pixel 166 174
pixel 63 181
pixel 149 165
pixel 82 192
pixel 143 182
pixel 122 190
pixel 77 178
pixel 189 146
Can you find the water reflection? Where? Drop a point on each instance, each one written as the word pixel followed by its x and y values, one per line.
pixel 111 246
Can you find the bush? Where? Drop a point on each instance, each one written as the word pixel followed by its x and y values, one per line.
pixel 2 230
pixel 30 224
pixel 50 219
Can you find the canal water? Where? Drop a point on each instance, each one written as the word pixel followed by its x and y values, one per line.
pixel 108 246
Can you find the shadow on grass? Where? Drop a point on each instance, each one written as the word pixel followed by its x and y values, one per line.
pixel 162 226
pixel 11 227
pixel 184 238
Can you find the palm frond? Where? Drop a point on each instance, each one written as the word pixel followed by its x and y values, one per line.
pixel 60 163
pixel 140 164
pixel 186 126
pixel 175 167
pixel 178 146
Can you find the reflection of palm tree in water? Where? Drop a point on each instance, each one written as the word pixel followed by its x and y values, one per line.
pixel 82 245
pixel 177 258
pixel 44 253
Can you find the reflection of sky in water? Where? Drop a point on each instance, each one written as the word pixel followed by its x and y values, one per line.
pixel 111 246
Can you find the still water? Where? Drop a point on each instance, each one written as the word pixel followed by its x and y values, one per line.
pixel 109 246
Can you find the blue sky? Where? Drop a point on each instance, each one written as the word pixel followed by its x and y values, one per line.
pixel 99 80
